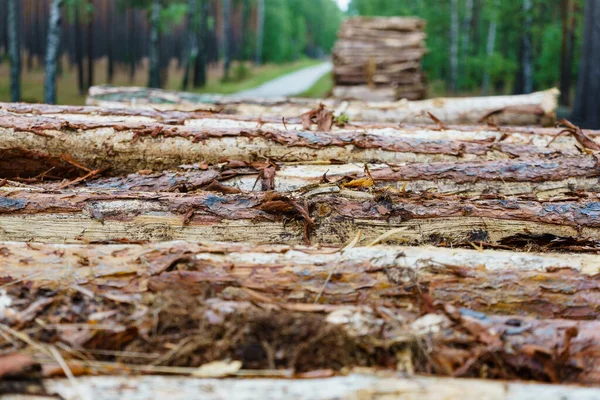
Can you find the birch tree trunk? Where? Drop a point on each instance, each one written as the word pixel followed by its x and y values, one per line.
pixel 154 46
pixel 14 49
pixel 491 44
pixel 454 45
pixel 52 52
pixel 260 25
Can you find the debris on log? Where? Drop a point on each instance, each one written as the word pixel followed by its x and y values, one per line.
pixel 527 284
pixel 531 109
pixel 156 326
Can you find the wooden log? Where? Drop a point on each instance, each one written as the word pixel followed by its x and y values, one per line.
pixel 98 143
pixel 413 91
pixel 533 109
pixel 497 282
pixel 400 24
pixel 327 215
pixel 541 178
pixel 364 386
pixel 195 322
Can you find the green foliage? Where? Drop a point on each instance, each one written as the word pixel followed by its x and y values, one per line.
pixel 296 27
pixel 504 63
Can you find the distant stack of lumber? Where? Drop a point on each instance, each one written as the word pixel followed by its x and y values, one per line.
pixel 299 257
pixel 532 109
pixel 379 59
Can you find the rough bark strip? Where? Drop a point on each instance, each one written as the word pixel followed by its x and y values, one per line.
pixel 274 218
pixel 543 178
pixel 535 109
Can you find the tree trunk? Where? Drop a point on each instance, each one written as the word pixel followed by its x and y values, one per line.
pixel 191 50
pixel 466 36
pixel 329 217
pixel 491 44
pixel 154 46
pixel 226 50
pixel 79 50
pixel 586 111
pixel 526 55
pixel 534 109
pixel 90 45
pixel 52 52
pixel 14 49
pixel 454 39
pixel 260 25
pixel 202 59
pixel 111 19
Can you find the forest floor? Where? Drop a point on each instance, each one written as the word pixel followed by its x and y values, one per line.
pixel 242 78
pixel 290 84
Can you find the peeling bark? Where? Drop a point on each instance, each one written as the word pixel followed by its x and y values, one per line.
pixel 535 109
pixel 321 216
pixel 542 178
pixel 126 145
pixel 537 285
pixel 202 324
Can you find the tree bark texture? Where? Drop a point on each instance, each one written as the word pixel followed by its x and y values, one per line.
pixel 52 52
pixel 331 216
pixel 541 178
pixel 534 109
pixel 130 145
pixel 496 282
pixel 226 315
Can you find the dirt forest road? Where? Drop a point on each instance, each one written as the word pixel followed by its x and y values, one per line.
pixel 290 84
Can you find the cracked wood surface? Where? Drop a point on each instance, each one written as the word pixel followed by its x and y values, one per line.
pixel 333 217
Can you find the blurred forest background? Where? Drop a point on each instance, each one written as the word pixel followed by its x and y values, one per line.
pixel 223 46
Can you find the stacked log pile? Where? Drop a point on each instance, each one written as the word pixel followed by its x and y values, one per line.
pixel 150 242
pixel 379 59
pixel 531 109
